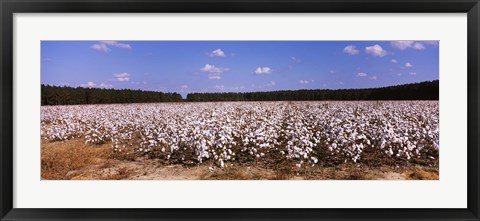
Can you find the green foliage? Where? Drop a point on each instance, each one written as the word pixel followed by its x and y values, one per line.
pixel 54 95
pixel 428 90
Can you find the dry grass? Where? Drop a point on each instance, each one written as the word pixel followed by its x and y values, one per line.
pixel 283 171
pixel 239 173
pixel 76 160
pixel 65 160
pixel 353 172
pixel 59 158
pixel 121 174
pixel 228 173
pixel 421 174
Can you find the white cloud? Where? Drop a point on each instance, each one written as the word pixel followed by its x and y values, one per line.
pixel 408 65
pixel 376 50
pixel 121 77
pixel 413 73
pixel 402 45
pixel 418 46
pixel 332 72
pixel 102 85
pixel 303 82
pixel 213 72
pixel 116 44
pixel 351 50
pixel 271 84
pixel 394 61
pixel 103 45
pixel 361 74
pixel 184 87
pixel 296 59
pixel 217 53
pixel 100 47
pixel 220 87
pixel 373 78
pixel 91 84
pixel 263 70
pixel 208 68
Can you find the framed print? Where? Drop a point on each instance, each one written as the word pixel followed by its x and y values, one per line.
pixel 260 110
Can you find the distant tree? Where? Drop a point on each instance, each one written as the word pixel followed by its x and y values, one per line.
pixel 55 95
pixel 428 90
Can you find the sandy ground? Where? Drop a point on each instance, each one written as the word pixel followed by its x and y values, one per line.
pixel 76 160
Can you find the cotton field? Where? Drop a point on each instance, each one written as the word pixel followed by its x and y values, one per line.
pixel 303 133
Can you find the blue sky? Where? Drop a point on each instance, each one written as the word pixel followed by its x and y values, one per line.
pixel 237 66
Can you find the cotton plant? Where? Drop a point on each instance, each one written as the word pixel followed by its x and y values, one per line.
pixel 222 132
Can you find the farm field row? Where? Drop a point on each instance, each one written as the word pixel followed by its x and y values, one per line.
pixel 304 134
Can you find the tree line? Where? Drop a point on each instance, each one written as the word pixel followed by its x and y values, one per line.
pixel 428 90
pixel 56 95
pixel 63 95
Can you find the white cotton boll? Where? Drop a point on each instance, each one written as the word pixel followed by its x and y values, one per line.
pixel 390 152
pixel 382 145
pixel 218 125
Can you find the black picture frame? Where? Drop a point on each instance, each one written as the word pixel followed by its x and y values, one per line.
pixel 9 7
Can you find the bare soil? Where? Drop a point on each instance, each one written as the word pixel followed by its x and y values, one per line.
pixel 75 160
